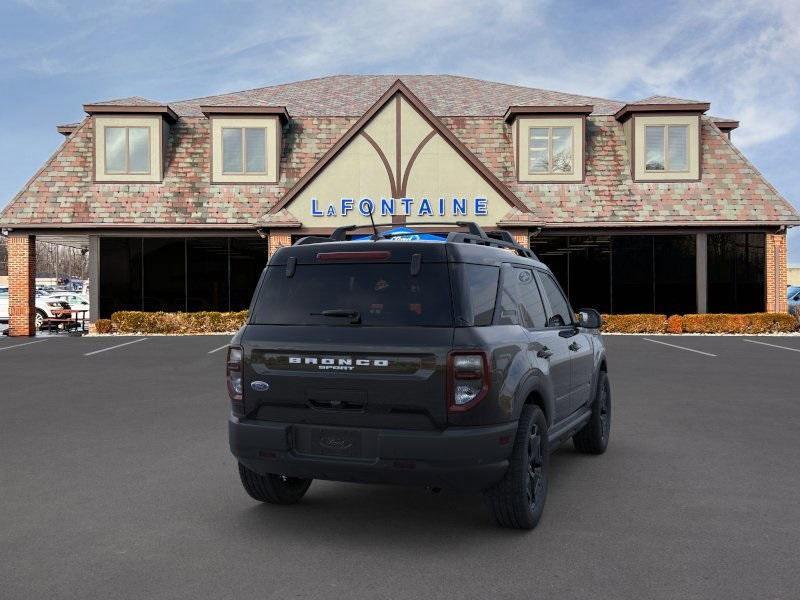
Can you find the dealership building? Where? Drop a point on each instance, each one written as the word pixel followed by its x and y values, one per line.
pixel 640 206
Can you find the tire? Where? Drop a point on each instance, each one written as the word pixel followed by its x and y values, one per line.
pixel 517 502
pixel 593 438
pixel 271 488
pixel 39 318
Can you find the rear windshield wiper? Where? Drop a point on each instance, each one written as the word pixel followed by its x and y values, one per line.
pixel 345 313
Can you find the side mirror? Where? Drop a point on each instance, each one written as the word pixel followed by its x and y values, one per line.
pixel 590 318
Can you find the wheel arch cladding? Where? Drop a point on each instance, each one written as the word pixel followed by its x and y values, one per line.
pixel 535 392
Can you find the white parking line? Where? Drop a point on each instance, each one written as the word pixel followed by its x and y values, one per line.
pixel 20 345
pixel 680 347
pixel 114 347
pixel 772 345
pixel 218 349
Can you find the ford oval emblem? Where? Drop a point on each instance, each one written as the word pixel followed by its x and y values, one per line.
pixel 260 386
pixel 335 443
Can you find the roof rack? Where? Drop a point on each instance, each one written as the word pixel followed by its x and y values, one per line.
pixel 474 235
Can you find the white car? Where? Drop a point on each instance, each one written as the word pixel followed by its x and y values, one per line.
pixel 3 304
pixel 75 300
pixel 47 307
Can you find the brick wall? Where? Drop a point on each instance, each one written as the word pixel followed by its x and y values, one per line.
pixel 278 238
pixel 776 273
pixel 21 284
pixel 521 237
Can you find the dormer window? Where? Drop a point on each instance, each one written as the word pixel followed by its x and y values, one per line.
pixel 244 150
pixel 127 150
pixel 548 142
pixel 666 148
pixel 245 143
pixel 130 140
pixel 550 150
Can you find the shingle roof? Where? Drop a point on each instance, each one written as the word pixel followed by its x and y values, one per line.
pixel 666 100
pixel 63 193
pixel 352 95
pixel 130 101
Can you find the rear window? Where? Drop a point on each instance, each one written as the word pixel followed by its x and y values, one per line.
pixel 383 295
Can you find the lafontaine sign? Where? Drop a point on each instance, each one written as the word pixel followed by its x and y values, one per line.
pixel 409 207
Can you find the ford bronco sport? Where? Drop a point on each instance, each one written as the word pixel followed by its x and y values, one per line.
pixel 457 364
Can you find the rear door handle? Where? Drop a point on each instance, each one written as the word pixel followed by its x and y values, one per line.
pixel 544 352
pixel 574 346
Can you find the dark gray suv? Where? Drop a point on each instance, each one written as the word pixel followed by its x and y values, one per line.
pixel 456 364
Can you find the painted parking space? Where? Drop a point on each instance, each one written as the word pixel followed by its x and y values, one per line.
pixel 678 347
pixel 137 450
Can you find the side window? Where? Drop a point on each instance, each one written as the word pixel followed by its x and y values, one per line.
pixel 509 299
pixel 530 299
pixel 561 312
pixel 520 300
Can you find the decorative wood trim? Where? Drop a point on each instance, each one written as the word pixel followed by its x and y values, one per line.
pixel 515 111
pixel 279 111
pixel 384 160
pixel 399 87
pixel 630 109
pixel 131 109
pixel 412 158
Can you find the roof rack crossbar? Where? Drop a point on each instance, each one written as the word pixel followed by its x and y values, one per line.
pixel 459 237
pixel 474 235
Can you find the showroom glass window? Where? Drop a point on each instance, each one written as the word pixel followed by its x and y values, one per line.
pixel 550 150
pixel 623 274
pixel 244 150
pixel 666 148
pixel 127 150
pixel 736 265
pixel 179 274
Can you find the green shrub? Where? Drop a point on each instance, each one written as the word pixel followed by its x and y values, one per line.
pixel 163 322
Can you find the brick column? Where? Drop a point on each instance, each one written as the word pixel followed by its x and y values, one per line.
pixel 21 284
pixel 521 237
pixel 278 238
pixel 776 271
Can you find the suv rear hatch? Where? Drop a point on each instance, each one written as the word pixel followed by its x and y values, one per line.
pixel 353 334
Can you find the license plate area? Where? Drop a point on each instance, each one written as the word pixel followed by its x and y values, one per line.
pixel 330 441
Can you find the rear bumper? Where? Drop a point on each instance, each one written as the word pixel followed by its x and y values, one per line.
pixel 461 458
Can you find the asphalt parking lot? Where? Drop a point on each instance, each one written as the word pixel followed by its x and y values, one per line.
pixel 116 482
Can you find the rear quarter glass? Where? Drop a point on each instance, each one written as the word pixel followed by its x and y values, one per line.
pixel 383 294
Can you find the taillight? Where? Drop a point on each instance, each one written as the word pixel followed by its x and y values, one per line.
pixel 468 379
pixel 233 372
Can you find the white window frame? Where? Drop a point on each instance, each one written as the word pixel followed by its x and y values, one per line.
pixel 127 129
pixel 243 129
pixel 550 170
pixel 665 148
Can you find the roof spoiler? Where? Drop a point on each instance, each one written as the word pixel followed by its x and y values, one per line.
pixel 474 235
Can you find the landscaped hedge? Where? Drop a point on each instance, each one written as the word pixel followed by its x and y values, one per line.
pixel 634 323
pixel 163 322
pixel 707 323
pixel 103 326
pixel 749 323
pixel 223 322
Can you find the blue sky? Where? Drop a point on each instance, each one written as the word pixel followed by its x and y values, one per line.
pixel 56 55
